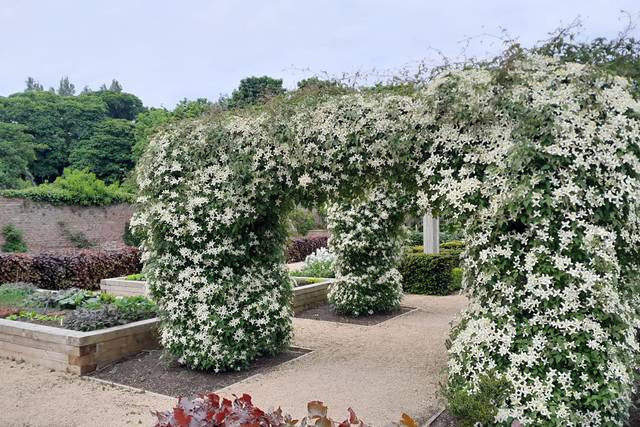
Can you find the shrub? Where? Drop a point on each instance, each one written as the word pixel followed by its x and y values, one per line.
pixel 82 269
pixel 452 244
pixel 415 238
pixel 480 406
pixel 212 410
pixel 429 274
pixel 456 279
pixel 13 241
pixel 300 248
pixel 74 187
pixel 301 221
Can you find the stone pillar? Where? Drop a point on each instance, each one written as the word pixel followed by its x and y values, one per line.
pixel 431 234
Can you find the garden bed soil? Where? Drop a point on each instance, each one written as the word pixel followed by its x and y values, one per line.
pixel 324 312
pixel 151 371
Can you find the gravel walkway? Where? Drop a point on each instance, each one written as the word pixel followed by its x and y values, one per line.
pixel 380 371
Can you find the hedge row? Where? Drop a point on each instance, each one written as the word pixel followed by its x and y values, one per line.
pixel 430 274
pixel 82 269
pixel 299 248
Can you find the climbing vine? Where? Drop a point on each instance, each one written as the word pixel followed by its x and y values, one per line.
pixel 538 159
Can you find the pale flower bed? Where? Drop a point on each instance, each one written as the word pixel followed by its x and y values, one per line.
pixel 539 160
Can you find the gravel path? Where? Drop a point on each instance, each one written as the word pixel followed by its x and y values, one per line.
pixel 380 371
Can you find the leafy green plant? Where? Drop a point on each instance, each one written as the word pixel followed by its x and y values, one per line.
pixel 15 294
pixel 137 276
pixel 456 279
pixel 430 274
pixel 74 187
pixel 105 312
pixel 301 222
pixel 480 406
pixel 34 315
pixel 13 240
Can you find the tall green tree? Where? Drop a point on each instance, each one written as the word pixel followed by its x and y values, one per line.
pixel 66 88
pixel 107 153
pixel 33 85
pixel 16 152
pixel 120 105
pixel 57 124
pixel 255 90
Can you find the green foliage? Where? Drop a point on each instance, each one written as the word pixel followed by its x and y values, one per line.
pixel 456 279
pixel 34 315
pixel 452 244
pixel 301 221
pixel 107 153
pixel 429 274
pixel 105 312
pixel 619 56
pixel 16 152
pixel 14 294
pixel 74 187
pixel 131 237
pixel 255 90
pixel 13 240
pixel 415 238
pixel 152 120
pixel 480 406
pixel 137 276
pixel 66 88
pixel 56 123
pixel 120 105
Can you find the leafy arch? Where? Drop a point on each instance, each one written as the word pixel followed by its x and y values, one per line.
pixel 538 160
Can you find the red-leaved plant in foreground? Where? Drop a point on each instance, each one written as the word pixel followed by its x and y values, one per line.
pixel 211 410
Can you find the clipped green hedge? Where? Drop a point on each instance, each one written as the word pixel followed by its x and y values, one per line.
pixel 430 274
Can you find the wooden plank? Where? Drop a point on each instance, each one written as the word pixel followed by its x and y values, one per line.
pixel 94 337
pixel 31 354
pixel 41 332
pixel 40 344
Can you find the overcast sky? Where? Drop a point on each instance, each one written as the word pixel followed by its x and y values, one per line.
pixel 164 51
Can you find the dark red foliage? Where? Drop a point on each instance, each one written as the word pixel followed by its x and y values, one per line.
pixel 81 269
pixel 299 248
pixel 213 411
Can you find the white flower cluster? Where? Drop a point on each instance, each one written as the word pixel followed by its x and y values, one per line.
pixel 539 160
pixel 364 235
pixel 320 255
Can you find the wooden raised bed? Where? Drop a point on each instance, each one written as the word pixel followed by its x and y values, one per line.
pixel 304 296
pixel 74 351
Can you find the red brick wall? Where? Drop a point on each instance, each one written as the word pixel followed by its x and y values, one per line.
pixel 39 223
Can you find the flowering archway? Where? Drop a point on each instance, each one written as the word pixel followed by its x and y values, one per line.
pixel 538 160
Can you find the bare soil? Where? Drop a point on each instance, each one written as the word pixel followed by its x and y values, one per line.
pixel 153 371
pixel 326 313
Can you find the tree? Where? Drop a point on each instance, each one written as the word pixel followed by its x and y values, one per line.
pixel 66 88
pixel 120 105
pixel 255 90
pixel 115 86
pixel 107 153
pixel 33 85
pixel 148 122
pixel 16 152
pixel 56 123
